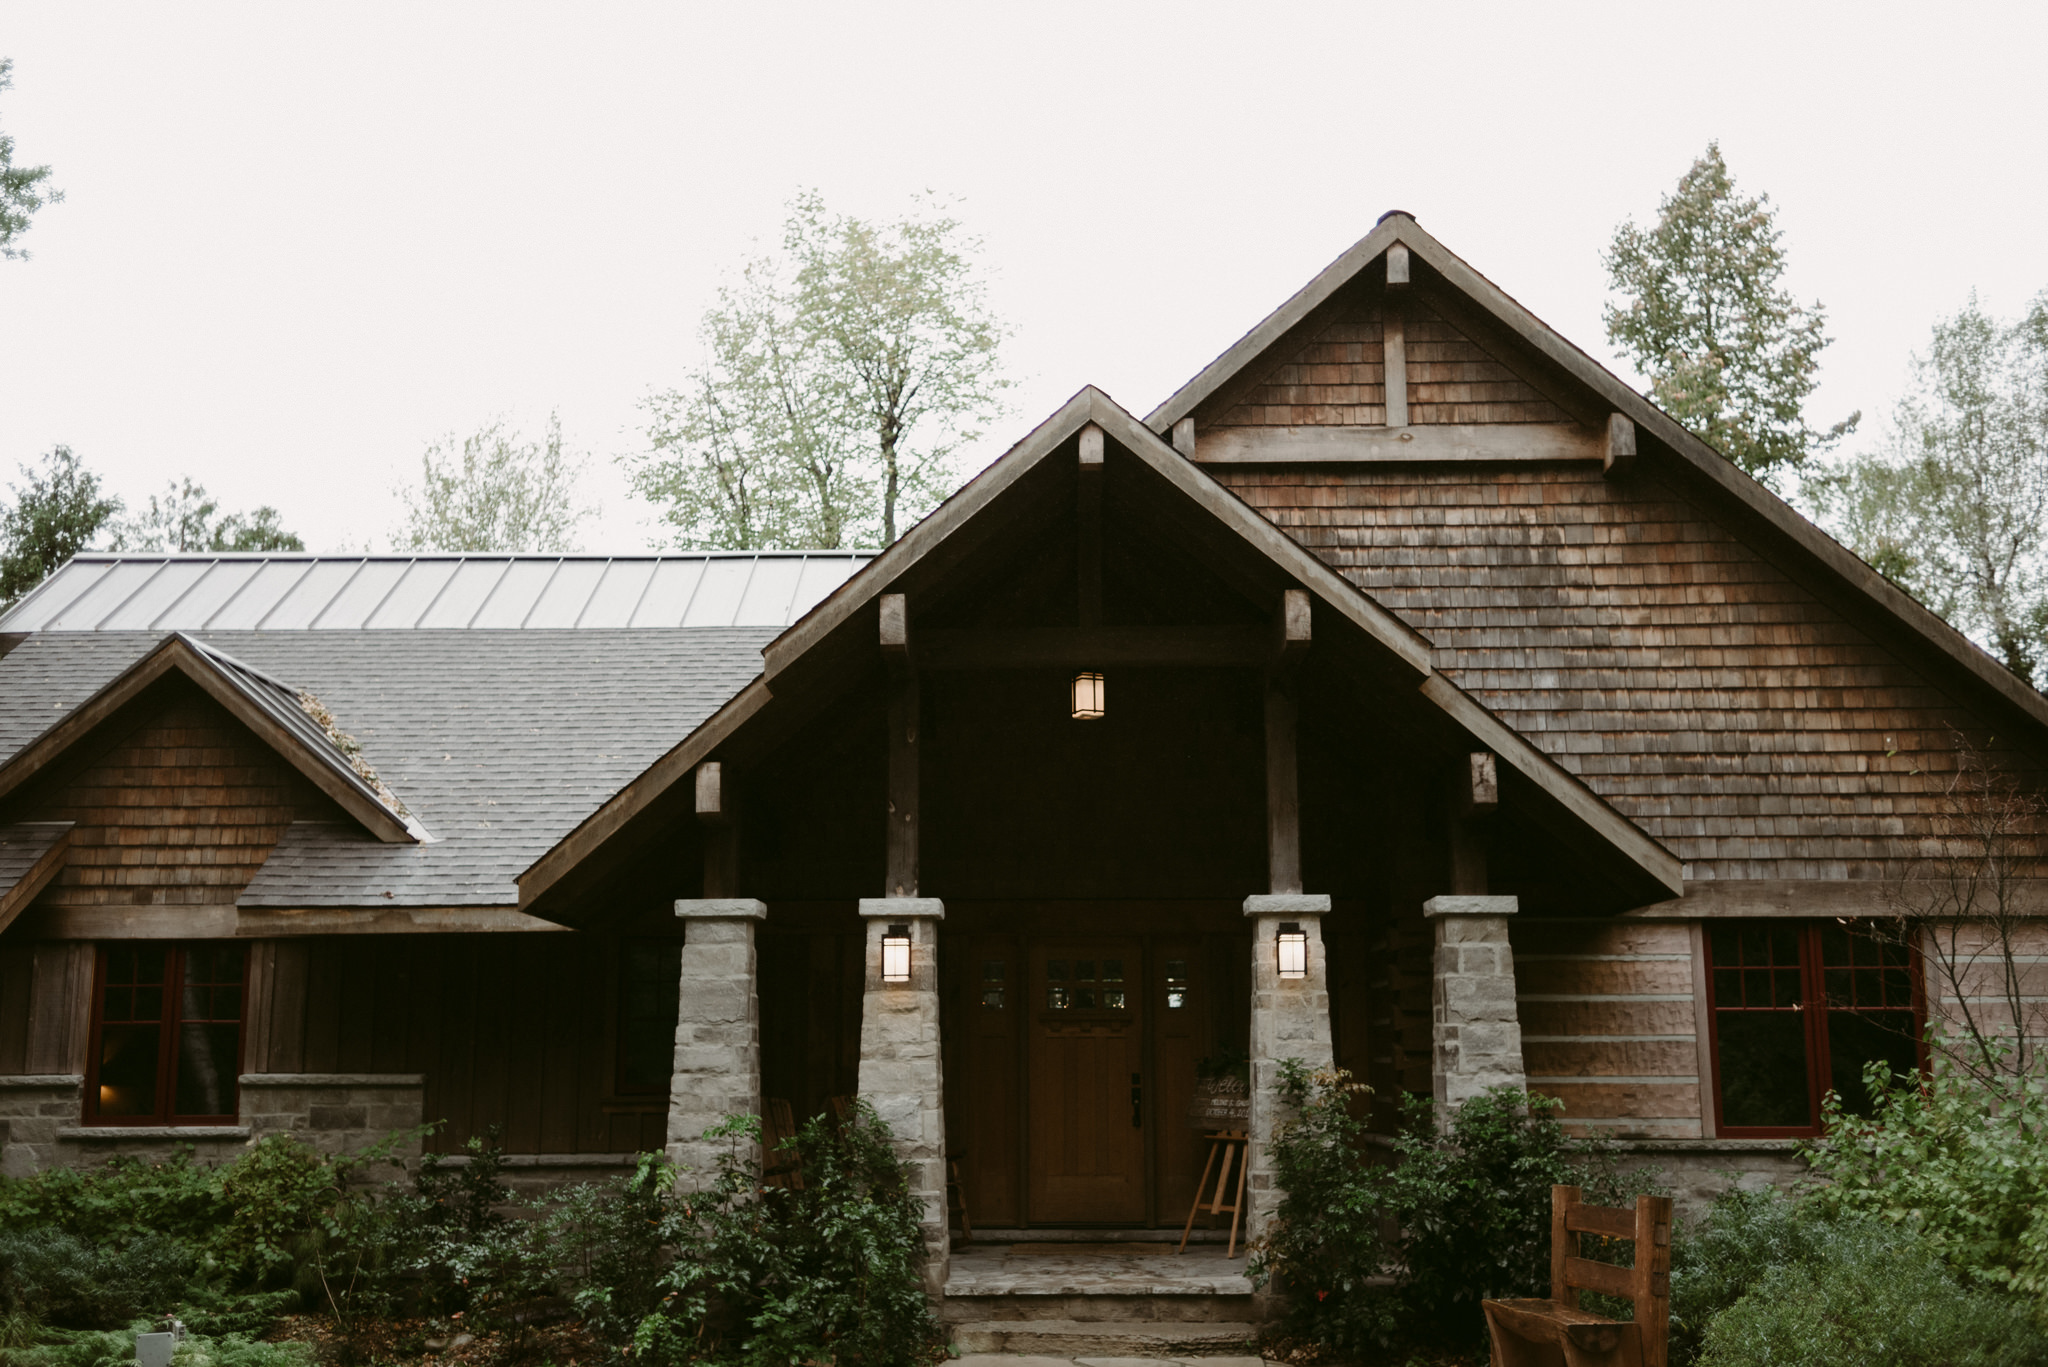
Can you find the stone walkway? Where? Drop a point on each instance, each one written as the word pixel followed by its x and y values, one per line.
pixel 1025 1360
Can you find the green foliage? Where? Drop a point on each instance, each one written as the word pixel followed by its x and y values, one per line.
pixel 187 518
pixel 450 1235
pixel 58 1277
pixel 58 511
pixel 765 1276
pixel 1951 503
pixel 1727 350
pixel 495 490
pixel 1959 1159
pixel 1867 1294
pixel 23 190
pixel 116 1348
pixel 842 378
pixel 1458 1217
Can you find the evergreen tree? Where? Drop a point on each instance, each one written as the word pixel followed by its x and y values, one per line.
pixel 1727 350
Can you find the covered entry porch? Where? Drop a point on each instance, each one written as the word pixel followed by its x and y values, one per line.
pixel 1010 835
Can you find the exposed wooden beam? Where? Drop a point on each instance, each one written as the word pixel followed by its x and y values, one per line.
pixel 1433 442
pixel 895 635
pixel 1394 350
pixel 900 856
pixel 1103 647
pixel 1089 515
pixel 1474 796
pixel 1291 630
pixel 711 801
pixel 715 811
pixel 1397 266
pixel 1620 455
pixel 1479 793
pixel 1184 437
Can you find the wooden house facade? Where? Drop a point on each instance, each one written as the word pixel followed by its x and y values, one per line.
pixel 1405 693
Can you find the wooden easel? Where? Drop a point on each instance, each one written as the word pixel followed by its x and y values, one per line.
pixel 1230 1145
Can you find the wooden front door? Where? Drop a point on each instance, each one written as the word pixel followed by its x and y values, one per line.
pixel 1085 1004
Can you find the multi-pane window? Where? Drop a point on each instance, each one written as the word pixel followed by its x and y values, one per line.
pixel 1798 1010
pixel 650 979
pixel 167 1034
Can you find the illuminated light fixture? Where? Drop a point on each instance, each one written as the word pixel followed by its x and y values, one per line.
pixel 896 954
pixel 1293 946
pixel 1087 697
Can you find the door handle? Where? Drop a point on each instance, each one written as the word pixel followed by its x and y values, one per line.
pixel 1137 1102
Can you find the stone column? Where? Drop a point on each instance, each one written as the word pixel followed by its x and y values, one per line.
pixel 718 1030
pixel 1290 1019
pixel 1476 1033
pixel 900 1071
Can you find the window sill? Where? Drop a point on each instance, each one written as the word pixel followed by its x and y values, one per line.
pixel 39 1082
pixel 102 1134
pixel 333 1079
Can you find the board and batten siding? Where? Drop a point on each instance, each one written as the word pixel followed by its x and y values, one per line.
pixel 1611 1025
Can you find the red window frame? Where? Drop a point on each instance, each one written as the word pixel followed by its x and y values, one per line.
pixel 1813 988
pixel 178 1004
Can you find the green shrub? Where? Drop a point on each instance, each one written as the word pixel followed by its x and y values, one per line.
pixel 1457 1218
pixel 1863 1293
pixel 116 1348
pixel 1961 1159
pixel 770 1276
pixel 60 1278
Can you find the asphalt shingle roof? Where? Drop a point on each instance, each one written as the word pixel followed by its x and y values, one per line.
pixel 499 742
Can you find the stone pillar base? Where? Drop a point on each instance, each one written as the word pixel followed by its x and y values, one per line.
pixel 1290 1019
pixel 901 1074
pixel 1476 1032
pixel 718 1032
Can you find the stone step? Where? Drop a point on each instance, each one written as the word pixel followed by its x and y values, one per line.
pixel 1098 1307
pixel 1070 1339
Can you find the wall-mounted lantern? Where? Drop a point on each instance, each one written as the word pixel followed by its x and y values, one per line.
pixel 896 954
pixel 1087 697
pixel 1293 949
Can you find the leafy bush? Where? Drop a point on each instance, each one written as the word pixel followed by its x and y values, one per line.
pixel 1864 1293
pixel 765 1276
pixel 59 1278
pixel 1961 1159
pixel 60 1348
pixel 1457 1218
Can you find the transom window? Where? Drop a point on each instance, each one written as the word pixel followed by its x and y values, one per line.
pixel 166 1034
pixel 1798 1011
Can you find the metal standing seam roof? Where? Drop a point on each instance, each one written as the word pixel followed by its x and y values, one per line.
pixel 264 592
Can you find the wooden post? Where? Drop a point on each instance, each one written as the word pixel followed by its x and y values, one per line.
pixel 1620 455
pixel 1562 1199
pixel 1283 784
pixel 1475 794
pixel 1397 266
pixel 1652 1277
pixel 1394 351
pixel 1184 437
pixel 1089 513
pixel 721 832
pixel 900 842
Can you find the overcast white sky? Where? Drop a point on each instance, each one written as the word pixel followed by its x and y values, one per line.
pixel 302 240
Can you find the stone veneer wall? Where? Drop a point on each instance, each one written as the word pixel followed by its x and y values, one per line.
pixel 333 1112
pixel 1290 1020
pixel 901 1075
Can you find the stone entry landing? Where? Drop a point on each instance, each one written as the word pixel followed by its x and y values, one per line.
pixel 1073 1298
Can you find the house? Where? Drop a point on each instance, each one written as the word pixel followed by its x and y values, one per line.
pixel 1404 692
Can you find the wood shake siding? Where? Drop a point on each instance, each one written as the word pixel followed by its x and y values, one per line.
pixel 1339 379
pixel 180 812
pixel 1610 1024
pixel 1689 682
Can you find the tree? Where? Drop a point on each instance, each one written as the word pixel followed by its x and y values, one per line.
pixel 841 380
pixel 22 188
pixel 494 491
pixel 1727 350
pixel 1953 503
pixel 184 519
pixel 58 511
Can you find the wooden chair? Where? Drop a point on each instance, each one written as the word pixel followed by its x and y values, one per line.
pixel 1230 1146
pixel 1538 1333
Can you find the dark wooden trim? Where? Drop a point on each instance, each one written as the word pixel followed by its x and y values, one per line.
pixel 1430 443
pixel 1100 647
pixel 13 900
pixel 1088 514
pixel 900 846
pixel 1283 786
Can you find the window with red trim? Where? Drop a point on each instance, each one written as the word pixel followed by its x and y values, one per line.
pixel 166 1034
pixel 1798 1010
